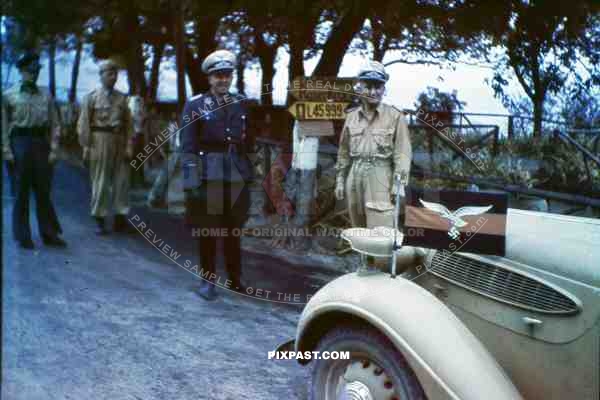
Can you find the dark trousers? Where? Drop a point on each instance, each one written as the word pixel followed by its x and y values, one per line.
pixel 219 210
pixel 32 172
pixel 10 169
pixel 137 175
pixel 207 245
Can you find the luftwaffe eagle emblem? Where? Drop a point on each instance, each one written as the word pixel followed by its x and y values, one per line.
pixel 454 217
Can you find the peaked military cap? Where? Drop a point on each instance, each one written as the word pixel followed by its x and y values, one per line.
pixel 373 71
pixel 27 59
pixel 108 64
pixel 220 60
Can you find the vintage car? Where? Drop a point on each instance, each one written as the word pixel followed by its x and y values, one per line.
pixel 453 325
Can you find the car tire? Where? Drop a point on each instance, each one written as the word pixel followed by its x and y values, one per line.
pixel 376 369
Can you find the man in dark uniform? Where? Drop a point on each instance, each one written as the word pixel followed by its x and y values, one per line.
pixel 216 170
pixel 31 132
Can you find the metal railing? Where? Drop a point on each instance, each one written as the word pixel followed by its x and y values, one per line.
pixel 510 125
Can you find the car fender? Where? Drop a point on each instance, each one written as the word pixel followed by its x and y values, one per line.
pixel 449 361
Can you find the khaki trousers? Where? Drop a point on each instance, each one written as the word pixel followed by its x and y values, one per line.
pixel 367 181
pixel 109 174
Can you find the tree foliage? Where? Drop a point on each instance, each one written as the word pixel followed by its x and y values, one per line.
pixel 546 44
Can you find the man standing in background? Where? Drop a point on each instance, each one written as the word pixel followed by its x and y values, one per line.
pixel 105 131
pixel 138 115
pixel 31 132
pixel 374 148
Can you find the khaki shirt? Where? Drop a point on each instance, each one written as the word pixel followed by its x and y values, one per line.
pixel 382 135
pixel 25 109
pixel 105 110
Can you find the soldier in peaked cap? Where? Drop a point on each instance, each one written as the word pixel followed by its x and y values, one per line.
pixel 31 132
pixel 105 131
pixel 219 61
pixel 214 145
pixel 374 147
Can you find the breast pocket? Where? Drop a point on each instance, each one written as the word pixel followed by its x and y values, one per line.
pixel 356 136
pixel 383 140
pixel 102 115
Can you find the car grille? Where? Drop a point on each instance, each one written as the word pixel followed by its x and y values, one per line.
pixel 501 284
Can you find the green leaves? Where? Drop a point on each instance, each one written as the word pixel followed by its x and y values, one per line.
pixel 543 164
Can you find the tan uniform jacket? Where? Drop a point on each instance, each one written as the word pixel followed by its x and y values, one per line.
pixel 106 110
pixel 24 109
pixel 383 135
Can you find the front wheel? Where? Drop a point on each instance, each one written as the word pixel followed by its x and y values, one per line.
pixel 375 370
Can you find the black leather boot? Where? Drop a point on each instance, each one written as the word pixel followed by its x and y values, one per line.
pixel 207 291
pixel 26 244
pixel 237 285
pixel 53 240
pixel 100 228
pixel 120 225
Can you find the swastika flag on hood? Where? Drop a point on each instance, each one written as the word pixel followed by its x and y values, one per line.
pixel 472 222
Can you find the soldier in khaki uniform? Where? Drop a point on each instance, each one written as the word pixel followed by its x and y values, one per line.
pixel 374 147
pixel 30 134
pixel 105 131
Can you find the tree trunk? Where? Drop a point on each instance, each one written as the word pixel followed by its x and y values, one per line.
pixel 193 70
pixel 538 114
pixel 296 65
pixel 539 91
pixel 179 33
pixel 205 42
pixel 135 55
pixel 241 66
pixel 380 42
pixel 139 69
pixel 51 68
pixel 301 36
pixel 378 54
pixel 131 78
pixel 266 84
pixel 157 51
pixel 340 37
pixel 75 71
pixel 266 57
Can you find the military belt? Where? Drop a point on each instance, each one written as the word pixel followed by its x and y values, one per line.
pixel 213 148
pixel 372 160
pixel 105 129
pixel 218 147
pixel 33 131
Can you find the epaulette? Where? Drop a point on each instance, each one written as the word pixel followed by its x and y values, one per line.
pixel 399 110
pixel 90 95
pixel 196 97
pixel 351 107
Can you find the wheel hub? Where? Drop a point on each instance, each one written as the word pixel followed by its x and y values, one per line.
pixel 355 390
pixel 365 380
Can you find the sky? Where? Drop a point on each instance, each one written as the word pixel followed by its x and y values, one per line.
pixel 402 89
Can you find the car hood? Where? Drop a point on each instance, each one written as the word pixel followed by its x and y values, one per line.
pixel 564 245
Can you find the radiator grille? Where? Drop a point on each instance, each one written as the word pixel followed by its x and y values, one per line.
pixel 502 284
